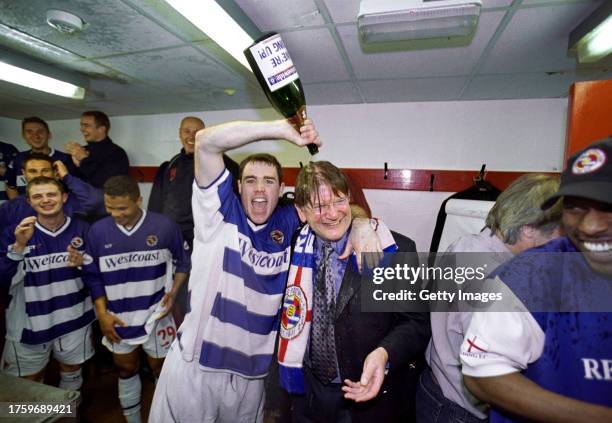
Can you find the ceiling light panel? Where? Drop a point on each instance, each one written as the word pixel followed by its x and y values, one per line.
pixel 37 81
pixel 216 23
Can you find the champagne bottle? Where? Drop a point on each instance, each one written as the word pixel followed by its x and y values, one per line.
pixel 274 70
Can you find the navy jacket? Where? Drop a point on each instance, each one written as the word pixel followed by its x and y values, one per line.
pixel 105 159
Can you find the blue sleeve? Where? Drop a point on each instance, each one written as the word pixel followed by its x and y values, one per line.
pixel 4 214
pixel 215 204
pixel 11 176
pixel 229 200
pixel 14 211
pixel 67 160
pixel 9 151
pixel 8 155
pixel 15 169
pixel 292 220
pixel 8 266
pixel 88 199
pixel 181 255
pixel 92 278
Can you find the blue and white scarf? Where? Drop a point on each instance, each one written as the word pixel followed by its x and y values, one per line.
pixel 296 315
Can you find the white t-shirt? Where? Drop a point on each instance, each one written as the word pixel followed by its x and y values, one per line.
pixel 448 329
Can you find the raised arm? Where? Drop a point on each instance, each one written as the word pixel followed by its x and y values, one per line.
pixel 88 198
pixel 213 141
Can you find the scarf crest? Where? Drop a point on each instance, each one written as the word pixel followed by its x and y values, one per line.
pixel 296 315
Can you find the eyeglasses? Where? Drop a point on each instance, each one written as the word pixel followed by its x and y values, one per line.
pixel 324 208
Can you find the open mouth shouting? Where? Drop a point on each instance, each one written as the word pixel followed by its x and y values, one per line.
pixel 259 203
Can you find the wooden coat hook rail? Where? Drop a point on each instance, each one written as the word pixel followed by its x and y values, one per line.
pixel 394 179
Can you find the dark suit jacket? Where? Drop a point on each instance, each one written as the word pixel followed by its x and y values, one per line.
pixel 357 334
pixel 403 335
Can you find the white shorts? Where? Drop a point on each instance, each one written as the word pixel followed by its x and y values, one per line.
pixel 186 393
pixel 156 345
pixel 20 359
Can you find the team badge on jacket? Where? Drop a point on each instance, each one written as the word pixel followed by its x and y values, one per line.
pixel 151 240
pixel 277 236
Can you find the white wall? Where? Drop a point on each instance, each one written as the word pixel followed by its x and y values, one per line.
pixel 521 135
pixel 10 132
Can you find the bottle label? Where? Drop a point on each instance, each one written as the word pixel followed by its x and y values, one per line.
pixel 274 62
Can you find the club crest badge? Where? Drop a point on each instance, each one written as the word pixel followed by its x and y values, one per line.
pixel 277 236
pixel 76 242
pixel 589 161
pixel 151 240
pixel 295 309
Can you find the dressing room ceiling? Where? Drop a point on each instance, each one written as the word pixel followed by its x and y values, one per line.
pixel 142 57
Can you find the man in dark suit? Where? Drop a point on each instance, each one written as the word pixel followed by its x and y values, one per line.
pixel 101 158
pixel 356 365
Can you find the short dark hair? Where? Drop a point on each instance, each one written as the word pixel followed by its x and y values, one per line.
pixel 316 174
pixel 100 118
pixel 122 185
pixel 44 180
pixel 34 119
pixel 265 158
pixel 36 156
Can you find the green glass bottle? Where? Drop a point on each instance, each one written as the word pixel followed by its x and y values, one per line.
pixel 274 70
